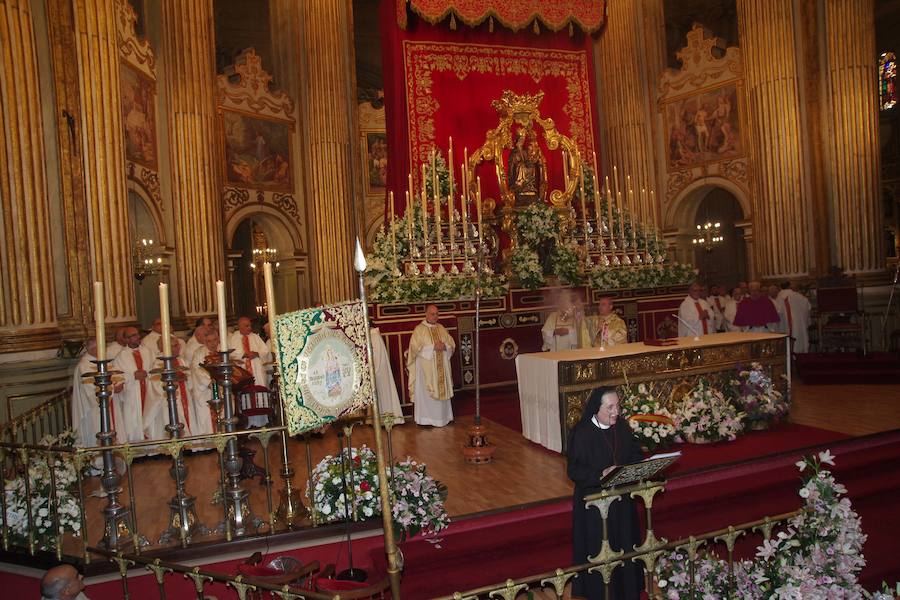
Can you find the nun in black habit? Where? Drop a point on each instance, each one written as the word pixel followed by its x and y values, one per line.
pixel 601 440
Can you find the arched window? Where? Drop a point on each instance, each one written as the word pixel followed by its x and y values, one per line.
pixel 887 80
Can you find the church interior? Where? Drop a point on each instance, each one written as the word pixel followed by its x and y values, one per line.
pixel 599 297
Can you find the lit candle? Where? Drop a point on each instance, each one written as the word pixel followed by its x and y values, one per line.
pixel 616 182
pixel 223 317
pixel 653 208
pixel 436 196
pixel 621 208
pixel 609 208
pixel 409 222
pixel 478 207
pixel 565 157
pixel 164 319
pixel 631 209
pixel 99 316
pixel 597 204
pixel 424 204
pixel 465 193
pixel 450 167
pixel 583 205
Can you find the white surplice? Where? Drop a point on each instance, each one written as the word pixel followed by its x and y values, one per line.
pixel 156 408
pixel 201 392
pixel 797 326
pixel 717 305
pixel 690 324
pixel 388 398
pixel 85 408
pixel 577 336
pixel 257 366
pixel 133 396
pixel 730 313
pixel 430 377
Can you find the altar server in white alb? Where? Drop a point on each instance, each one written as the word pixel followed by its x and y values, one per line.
pixel 694 315
pixel 250 349
pixel 135 361
pixel 794 310
pixel 388 398
pixel 430 379
pixel 85 409
pixel 565 328
pixel 156 409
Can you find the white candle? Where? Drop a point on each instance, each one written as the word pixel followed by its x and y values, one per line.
pixel 98 320
pixel 478 208
pixel 223 318
pixel 164 318
pixel 270 299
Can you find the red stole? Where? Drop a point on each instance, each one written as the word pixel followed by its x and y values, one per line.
pixel 700 315
pixel 139 363
pixel 248 362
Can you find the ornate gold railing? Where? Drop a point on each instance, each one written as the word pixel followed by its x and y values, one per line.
pixel 647 552
pixel 25 466
pixel 51 417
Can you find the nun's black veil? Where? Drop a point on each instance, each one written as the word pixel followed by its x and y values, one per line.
pixel 594 402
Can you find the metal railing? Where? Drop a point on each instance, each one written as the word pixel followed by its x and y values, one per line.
pixel 51 417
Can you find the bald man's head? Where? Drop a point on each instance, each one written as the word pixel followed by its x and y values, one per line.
pixel 245 326
pixel 132 337
pixel 61 583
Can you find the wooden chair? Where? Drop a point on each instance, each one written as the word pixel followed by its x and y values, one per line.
pixel 840 322
pixel 254 406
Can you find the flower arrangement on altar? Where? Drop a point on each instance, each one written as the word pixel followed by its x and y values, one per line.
pixel 417 499
pixel 46 523
pixel 818 554
pixel 705 415
pixel 652 425
pixel 755 395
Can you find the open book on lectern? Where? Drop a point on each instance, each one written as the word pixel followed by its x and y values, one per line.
pixel 639 471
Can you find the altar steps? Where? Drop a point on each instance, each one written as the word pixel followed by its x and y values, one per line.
pixel 848 368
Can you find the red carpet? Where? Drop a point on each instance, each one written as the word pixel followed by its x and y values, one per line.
pixel 848 368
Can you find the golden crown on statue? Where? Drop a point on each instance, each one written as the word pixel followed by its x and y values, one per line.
pixel 522 108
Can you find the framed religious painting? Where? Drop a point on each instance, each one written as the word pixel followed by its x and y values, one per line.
pixel 323 364
pixel 139 116
pixel 257 151
pixel 375 158
pixel 705 126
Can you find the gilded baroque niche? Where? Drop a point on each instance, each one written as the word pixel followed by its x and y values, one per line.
pixel 703 112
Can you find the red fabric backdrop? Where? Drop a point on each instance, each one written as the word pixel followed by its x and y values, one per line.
pixel 440 83
pixel 516 14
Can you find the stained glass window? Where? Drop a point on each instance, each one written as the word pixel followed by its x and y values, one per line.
pixel 887 80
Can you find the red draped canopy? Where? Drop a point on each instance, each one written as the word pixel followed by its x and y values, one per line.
pixel 587 15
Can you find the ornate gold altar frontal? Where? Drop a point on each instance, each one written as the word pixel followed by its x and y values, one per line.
pixel 669 372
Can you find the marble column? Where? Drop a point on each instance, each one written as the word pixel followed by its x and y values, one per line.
pixel 782 221
pixel 629 58
pixel 853 154
pixel 328 108
pixel 284 20
pixel 27 291
pixel 189 54
pixel 103 154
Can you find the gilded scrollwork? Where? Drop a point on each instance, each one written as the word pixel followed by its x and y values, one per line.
pixel 245 86
pixel 136 51
pixel 234 198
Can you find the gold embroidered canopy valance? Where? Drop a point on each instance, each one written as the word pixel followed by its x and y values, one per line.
pixel 587 15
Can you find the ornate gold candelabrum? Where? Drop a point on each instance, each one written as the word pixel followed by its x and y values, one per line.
pixel 183 520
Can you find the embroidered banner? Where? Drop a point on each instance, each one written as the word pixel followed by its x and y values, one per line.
pixel 587 15
pixel 324 365
pixel 449 89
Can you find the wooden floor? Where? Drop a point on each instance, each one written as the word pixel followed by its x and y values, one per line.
pixel 521 473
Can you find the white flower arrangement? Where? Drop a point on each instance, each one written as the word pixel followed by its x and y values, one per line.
pixel 652 425
pixel 525 265
pixel 705 415
pixel 43 527
pixel 817 555
pixel 417 499
pixel 754 394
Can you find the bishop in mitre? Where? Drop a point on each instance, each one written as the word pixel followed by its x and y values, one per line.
pixel 430 379
pixel 608 329
pixel 565 328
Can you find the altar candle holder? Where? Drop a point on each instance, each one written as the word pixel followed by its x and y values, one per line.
pixel 183 520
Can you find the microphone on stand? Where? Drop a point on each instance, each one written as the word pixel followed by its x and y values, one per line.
pixel 686 324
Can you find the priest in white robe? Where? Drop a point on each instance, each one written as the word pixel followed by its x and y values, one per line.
pixel 565 328
pixel 201 327
pixel 202 384
pixel 135 362
pixel 430 378
pixel 694 314
pixel 795 309
pixel 717 301
pixel 117 345
pixel 85 408
pixel 156 408
pixel 388 398
pixel 251 351
pixel 731 306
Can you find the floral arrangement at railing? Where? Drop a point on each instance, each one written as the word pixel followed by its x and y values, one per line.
pixel 417 499
pixel 754 394
pixel 44 527
pixel 706 415
pixel 817 555
pixel 652 425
